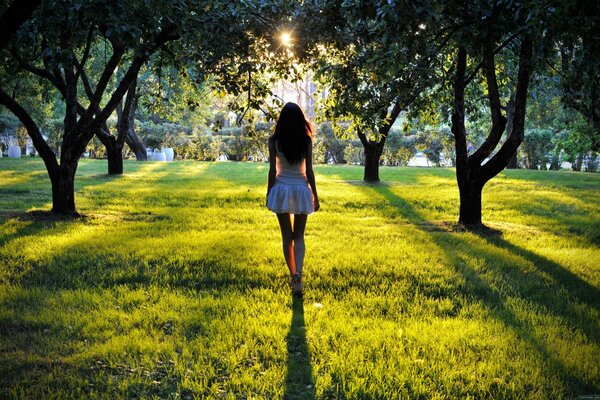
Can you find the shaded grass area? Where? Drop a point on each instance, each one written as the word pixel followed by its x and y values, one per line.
pixel 172 285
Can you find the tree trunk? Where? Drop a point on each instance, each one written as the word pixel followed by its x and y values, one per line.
pixel 114 151
pixel 470 173
pixel 63 189
pixel 470 204
pixel 372 156
pixel 555 164
pixel 512 163
pixel 374 148
pixel 136 145
pixel 510 115
pixel 126 124
pixel 114 154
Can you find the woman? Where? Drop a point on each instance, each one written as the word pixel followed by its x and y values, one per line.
pixel 291 190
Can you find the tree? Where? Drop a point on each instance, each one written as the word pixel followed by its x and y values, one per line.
pixel 536 147
pixel 576 32
pixel 125 110
pixel 56 42
pixel 65 31
pixel 475 170
pixel 376 63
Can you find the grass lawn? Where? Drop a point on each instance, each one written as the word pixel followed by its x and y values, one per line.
pixel 173 285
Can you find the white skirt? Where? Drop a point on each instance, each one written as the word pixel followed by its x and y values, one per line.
pixel 293 198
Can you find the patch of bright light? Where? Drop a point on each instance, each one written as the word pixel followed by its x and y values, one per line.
pixel 286 39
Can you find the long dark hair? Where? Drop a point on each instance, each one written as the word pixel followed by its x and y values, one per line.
pixel 293 133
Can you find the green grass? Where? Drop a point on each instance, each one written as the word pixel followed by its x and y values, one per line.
pixel 173 285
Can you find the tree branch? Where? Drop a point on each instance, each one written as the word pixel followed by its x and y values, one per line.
pixel 87 87
pixel 498 121
pixel 498 49
pixel 86 52
pixel 124 120
pixel 385 127
pixel 108 72
pixel 32 129
pixel 458 115
pixel 363 138
pixel 41 72
pixel 71 104
pixel 498 162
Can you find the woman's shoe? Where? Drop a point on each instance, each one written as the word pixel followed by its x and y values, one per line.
pixel 297 285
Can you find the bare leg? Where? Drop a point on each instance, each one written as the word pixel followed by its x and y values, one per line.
pixel 285 224
pixel 298 237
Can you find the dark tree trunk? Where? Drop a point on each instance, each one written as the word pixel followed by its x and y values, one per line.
pixel 555 164
pixel 131 138
pixel 510 115
pixel 470 204
pixel 372 157
pixel 512 163
pixel 374 148
pixel 114 151
pixel 137 146
pixel 114 154
pixel 63 189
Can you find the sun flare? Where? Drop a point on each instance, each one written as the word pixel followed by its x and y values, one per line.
pixel 286 39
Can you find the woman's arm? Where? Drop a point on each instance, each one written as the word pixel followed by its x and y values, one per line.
pixel 272 166
pixel 310 176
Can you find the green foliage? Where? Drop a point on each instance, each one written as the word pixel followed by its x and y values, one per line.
pixel 173 285
pixel 435 144
pixel 205 147
pixel 379 55
pixel 163 134
pixel 536 148
pixel 399 149
pixel 8 125
pixel 328 146
pixel 577 143
pixel 354 153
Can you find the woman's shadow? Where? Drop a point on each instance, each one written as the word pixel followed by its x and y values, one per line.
pixel 299 382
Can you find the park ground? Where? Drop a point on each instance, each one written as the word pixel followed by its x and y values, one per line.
pixel 172 285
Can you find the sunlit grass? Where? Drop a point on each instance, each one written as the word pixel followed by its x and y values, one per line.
pixel 173 286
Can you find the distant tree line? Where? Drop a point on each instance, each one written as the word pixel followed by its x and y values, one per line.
pixel 542 148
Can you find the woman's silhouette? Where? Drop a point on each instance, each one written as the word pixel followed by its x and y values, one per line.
pixel 291 189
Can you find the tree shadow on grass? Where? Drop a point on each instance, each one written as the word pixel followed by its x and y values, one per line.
pixel 32 223
pixel 299 381
pixel 549 285
pixel 81 266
